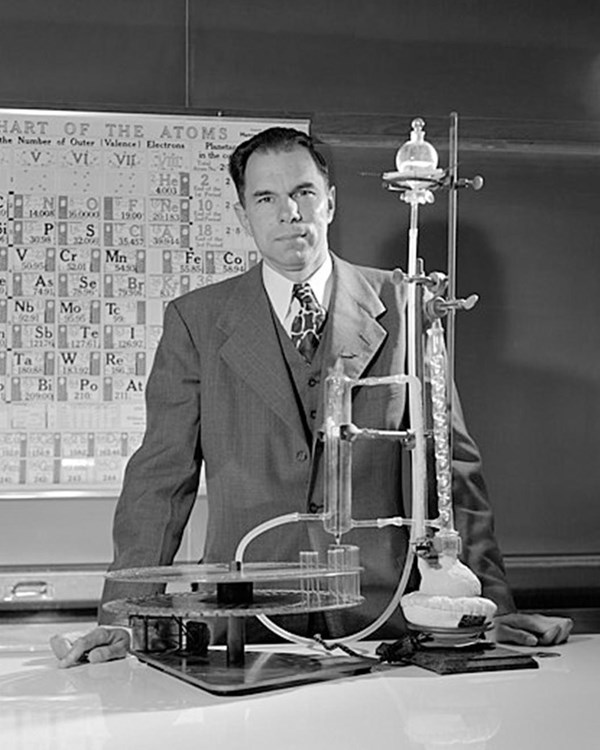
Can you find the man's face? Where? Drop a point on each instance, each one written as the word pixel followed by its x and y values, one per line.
pixel 287 209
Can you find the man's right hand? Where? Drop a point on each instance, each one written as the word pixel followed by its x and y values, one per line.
pixel 100 644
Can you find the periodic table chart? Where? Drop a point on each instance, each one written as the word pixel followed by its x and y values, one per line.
pixel 104 218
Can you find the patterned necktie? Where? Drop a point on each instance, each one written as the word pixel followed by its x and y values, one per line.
pixel 308 323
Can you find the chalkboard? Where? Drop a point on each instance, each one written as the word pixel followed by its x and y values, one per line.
pixel 528 355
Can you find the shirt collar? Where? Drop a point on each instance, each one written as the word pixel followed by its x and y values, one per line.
pixel 279 288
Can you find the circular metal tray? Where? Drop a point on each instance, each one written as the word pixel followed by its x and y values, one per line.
pixel 196 605
pixel 221 573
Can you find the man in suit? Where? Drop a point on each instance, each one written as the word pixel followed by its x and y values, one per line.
pixel 230 388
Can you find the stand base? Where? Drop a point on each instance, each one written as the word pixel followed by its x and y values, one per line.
pixel 261 670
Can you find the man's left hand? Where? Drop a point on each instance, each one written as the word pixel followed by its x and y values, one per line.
pixel 532 630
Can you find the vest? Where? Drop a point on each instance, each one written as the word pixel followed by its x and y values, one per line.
pixel 305 377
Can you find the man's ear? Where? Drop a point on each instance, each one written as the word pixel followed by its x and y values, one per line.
pixel 331 203
pixel 242 217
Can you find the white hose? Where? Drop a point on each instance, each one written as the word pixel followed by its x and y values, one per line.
pixel 362 634
pixel 271 524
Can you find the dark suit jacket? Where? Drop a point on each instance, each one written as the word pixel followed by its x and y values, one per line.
pixel 219 391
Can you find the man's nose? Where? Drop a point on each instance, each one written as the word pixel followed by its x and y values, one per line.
pixel 289 210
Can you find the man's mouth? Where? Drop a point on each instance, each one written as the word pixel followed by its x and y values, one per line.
pixel 291 236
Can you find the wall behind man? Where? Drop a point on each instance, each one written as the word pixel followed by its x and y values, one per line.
pixel 525 79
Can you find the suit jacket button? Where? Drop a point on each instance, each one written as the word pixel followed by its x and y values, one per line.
pixel 302 456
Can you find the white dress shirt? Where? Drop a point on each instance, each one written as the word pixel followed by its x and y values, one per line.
pixel 279 291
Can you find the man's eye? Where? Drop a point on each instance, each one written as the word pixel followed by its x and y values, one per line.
pixel 306 192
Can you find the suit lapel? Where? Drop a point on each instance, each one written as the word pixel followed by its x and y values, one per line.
pixel 355 335
pixel 252 348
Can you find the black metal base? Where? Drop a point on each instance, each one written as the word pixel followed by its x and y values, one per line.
pixel 261 671
pixel 477 658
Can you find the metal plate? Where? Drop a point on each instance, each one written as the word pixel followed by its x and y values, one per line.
pixel 261 671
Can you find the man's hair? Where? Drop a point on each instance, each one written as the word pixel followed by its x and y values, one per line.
pixel 272 139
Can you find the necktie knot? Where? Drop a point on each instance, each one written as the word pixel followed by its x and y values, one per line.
pixel 308 323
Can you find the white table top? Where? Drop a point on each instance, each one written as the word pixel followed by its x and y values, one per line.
pixel 127 705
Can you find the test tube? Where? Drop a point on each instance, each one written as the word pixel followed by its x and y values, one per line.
pixel 309 561
pixel 343 559
pixel 335 562
pixel 338 454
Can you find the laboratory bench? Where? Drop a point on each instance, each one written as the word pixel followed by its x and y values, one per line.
pixel 126 705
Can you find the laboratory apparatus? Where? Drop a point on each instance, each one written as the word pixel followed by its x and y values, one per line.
pixel 447 608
